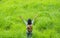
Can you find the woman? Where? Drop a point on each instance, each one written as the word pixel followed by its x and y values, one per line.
pixel 29 24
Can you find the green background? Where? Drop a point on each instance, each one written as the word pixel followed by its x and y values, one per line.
pixel 47 24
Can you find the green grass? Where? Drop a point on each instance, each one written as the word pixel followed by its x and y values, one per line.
pixel 47 24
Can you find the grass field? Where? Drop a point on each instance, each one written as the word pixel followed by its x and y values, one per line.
pixel 47 24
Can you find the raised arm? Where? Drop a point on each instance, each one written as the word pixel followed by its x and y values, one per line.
pixel 34 18
pixel 23 20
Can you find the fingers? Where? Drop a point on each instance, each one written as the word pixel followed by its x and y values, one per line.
pixel 36 15
pixel 21 17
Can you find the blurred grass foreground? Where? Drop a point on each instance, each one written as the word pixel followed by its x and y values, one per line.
pixel 47 24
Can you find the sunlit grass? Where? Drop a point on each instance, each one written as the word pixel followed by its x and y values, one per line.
pixel 47 24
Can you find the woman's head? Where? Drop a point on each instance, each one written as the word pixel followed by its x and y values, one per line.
pixel 29 21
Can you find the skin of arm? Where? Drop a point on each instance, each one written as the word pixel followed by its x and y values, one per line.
pixel 34 18
pixel 23 20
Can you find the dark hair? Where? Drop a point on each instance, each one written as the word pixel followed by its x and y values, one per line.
pixel 29 22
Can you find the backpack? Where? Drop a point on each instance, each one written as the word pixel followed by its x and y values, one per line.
pixel 29 28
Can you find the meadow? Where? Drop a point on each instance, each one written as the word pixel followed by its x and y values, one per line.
pixel 46 25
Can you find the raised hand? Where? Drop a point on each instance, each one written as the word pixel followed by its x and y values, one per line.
pixel 36 16
pixel 21 17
